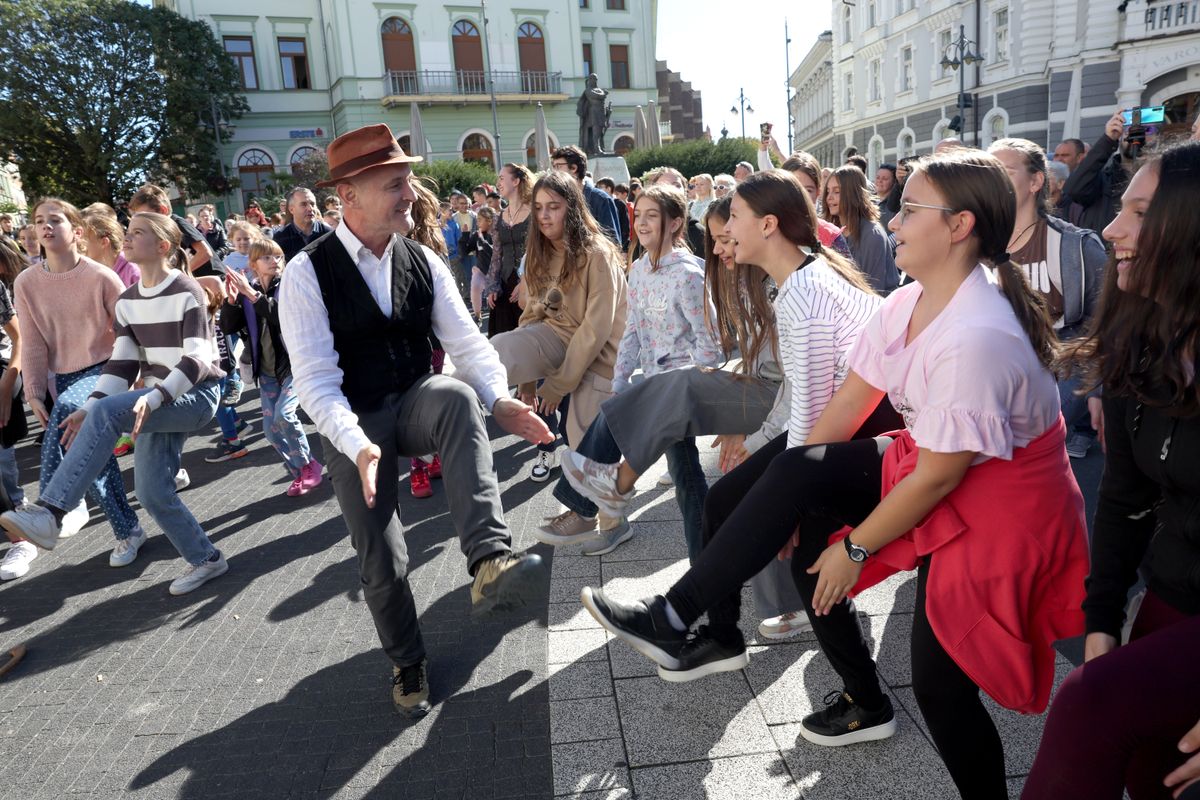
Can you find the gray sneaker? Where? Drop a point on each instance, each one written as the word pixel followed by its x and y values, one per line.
pixel 597 482
pixel 127 549
pixel 606 541
pixel 567 528
pixel 197 576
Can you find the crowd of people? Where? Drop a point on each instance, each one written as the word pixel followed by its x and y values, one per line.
pixel 898 368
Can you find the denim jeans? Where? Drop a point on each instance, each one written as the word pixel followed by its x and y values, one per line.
pixel 156 460
pixel 691 488
pixel 597 444
pixel 281 425
pixel 11 476
pixel 234 378
pixel 1074 406
pixel 107 488
pixel 227 416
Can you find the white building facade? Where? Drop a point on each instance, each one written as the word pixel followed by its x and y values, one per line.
pixel 314 69
pixel 1051 69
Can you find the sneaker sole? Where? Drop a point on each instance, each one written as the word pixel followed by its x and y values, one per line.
pixel 517 587
pixel 13 529
pixel 789 634
pixel 606 504
pixel 537 479
pixel 218 460
pixel 731 664
pixel 648 649
pixel 872 734
pixel 190 589
pixel 414 712
pixel 558 540
pixel 620 540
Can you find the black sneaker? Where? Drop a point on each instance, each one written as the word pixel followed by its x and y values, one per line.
pixel 843 722
pixel 642 625
pixel 704 654
pixel 410 690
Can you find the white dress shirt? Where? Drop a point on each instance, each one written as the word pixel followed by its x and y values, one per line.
pixel 316 376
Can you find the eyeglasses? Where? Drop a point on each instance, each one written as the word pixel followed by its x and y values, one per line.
pixel 906 208
pixel 691 186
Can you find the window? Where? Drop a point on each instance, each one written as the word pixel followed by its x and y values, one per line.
pixel 871 16
pixel 399 51
pixel 294 59
pixel 531 49
pixel 241 50
pixel 846 17
pixel 998 128
pixel 848 92
pixel 299 156
pixel 468 58
pixel 623 144
pixel 906 65
pixel 943 50
pixel 906 146
pixel 618 56
pixel 587 59
pixel 478 147
pixel 876 93
pixel 616 5
pixel 1000 34
pixel 583 3
pixel 876 155
pixel 255 168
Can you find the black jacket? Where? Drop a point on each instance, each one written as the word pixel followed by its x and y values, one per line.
pixel 266 311
pixel 1095 187
pixel 1149 510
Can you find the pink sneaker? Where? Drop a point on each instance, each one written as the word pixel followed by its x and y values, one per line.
pixel 311 475
pixel 297 487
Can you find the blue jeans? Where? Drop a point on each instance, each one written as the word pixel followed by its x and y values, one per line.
pixel 227 416
pixel 107 488
pixel 598 444
pixel 281 425
pixel 156 460
pixel 234 378
pixel 10 475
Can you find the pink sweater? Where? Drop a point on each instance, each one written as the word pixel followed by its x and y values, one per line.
pixel 66 320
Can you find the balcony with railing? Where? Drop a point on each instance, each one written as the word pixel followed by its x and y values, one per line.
pixel 466 83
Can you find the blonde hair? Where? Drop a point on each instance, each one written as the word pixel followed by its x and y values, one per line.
pixel 73 215
pixel 253 231
pixel 104 226
pixel 262 246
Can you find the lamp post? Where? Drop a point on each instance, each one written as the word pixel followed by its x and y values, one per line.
pixel 742 102
pixel 963 58
pixel 787 65
pixel 490 84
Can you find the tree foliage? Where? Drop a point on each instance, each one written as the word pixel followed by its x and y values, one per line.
pixel 694 157
pixel 102 95
pixel 461 175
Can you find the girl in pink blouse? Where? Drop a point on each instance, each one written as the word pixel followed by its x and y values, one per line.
pixel 977 482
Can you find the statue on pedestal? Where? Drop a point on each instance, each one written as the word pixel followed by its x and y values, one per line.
pixel 594 115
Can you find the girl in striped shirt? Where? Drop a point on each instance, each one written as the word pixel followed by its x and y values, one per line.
pixel 163 336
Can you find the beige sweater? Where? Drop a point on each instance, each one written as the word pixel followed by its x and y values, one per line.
pixel 590 320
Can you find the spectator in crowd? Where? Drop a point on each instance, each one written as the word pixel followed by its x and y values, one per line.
pixel 635 187
pixel 331 203
pixel 1090 195
pixel 859 162
pixel 573 161
pixel 201 258
pixel 254 214
pixel 609 187
pixel 703 193
pixel 1098 741
pixel 1070 152
pixel 847 203
pixel 723 184
pixel 806 170
pixel 494 201
pixel 887 193
pixel 211 227
pixel 28 239
pixel 241 234
pixel 479 197
pixel 276 223
pixel 464 218
pixel 13 424
pixel 304 227
pixel 6 225
pixel 515 185
pixel 1056 177
pixel 669 176
pixel 332 218
pixel 104 238
pixel 743 170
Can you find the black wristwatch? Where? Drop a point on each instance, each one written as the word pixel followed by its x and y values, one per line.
pixel 857 554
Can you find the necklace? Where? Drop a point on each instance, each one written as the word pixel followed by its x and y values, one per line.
pixel 1017 238
pixel 512 211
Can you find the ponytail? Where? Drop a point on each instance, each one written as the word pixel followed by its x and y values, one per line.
pixel 1030 308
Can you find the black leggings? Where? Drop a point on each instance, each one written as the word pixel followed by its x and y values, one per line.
pixel 749 516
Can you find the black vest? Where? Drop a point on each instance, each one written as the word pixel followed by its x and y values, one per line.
pixel 378 355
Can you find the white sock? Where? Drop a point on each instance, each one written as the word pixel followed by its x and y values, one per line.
pixel 673 617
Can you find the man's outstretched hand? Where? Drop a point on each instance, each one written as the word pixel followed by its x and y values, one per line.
pixel 518 418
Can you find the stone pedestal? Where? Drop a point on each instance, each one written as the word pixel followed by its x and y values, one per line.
pixel 609 167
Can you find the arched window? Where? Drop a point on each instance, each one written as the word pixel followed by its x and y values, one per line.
pixel 846 24
pixel 876 157
pixel 468 58
pixel 255 168
pixel 999 127
pixel 531 148
pixel 906 146
pixel 623 144
pixel 299 156
pixel 405 142
pixel 531 49
pixel 477 147
pixel 399 54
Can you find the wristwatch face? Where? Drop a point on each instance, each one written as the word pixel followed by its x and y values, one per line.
pixel 857 554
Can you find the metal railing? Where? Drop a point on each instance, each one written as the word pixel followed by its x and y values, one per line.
pixel 467 81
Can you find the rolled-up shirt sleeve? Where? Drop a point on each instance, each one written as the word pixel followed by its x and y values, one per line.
pixel 476 362
pixel 316 376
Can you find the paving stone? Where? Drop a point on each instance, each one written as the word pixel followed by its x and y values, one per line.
pixel 583 768
pixel 576 645
pixel 580 679
pixel 652 541
pixel 584 719
pixel 763 776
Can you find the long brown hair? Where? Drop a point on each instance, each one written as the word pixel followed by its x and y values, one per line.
pixel 1138 339
pixel 672 205
pixel 581 237
pixel 521 174
pixel 1035 163
pixel 779 193
pixel 12 261
pixel 854 204
pixel 975 181
pixel 426 229
pixel 744 318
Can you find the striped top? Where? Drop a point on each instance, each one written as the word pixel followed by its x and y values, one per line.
pixel 165 337
pixel 820 317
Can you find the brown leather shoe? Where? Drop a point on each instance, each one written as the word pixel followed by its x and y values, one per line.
pixel 410 689
pixel 505 582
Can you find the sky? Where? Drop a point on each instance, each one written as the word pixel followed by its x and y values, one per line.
pixel 720 52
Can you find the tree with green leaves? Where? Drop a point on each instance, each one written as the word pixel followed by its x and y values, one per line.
pixel 100 96
pixel 694 157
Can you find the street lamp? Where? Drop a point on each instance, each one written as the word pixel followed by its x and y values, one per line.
pixel 787 65
pixel 744 103
pixel 963 57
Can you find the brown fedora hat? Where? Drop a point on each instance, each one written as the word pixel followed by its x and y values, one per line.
pixel 357 151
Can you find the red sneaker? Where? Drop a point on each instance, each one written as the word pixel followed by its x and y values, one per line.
pixel 435 467
pixel 419 482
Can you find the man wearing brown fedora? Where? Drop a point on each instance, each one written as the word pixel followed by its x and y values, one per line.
pixel 357 307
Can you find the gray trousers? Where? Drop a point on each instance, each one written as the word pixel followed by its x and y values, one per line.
pixel 440 415
pixel 650 416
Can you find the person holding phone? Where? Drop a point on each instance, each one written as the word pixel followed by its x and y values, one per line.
pixel 1095 186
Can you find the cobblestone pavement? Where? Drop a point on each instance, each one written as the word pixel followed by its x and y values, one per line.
pixel 269 682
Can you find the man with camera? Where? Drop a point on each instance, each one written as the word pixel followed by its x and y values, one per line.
pixel 1095 186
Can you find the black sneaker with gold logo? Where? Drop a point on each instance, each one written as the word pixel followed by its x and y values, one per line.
pixel 843 722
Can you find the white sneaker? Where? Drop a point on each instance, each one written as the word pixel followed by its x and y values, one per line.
pixel 182 481
pixel 34 523
pixel 545 461
pixel 597 482
pixel 127 549
pixel 785 626
pixel 75 520
pixel 16 560
pixel 666 480
pixel 197 576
